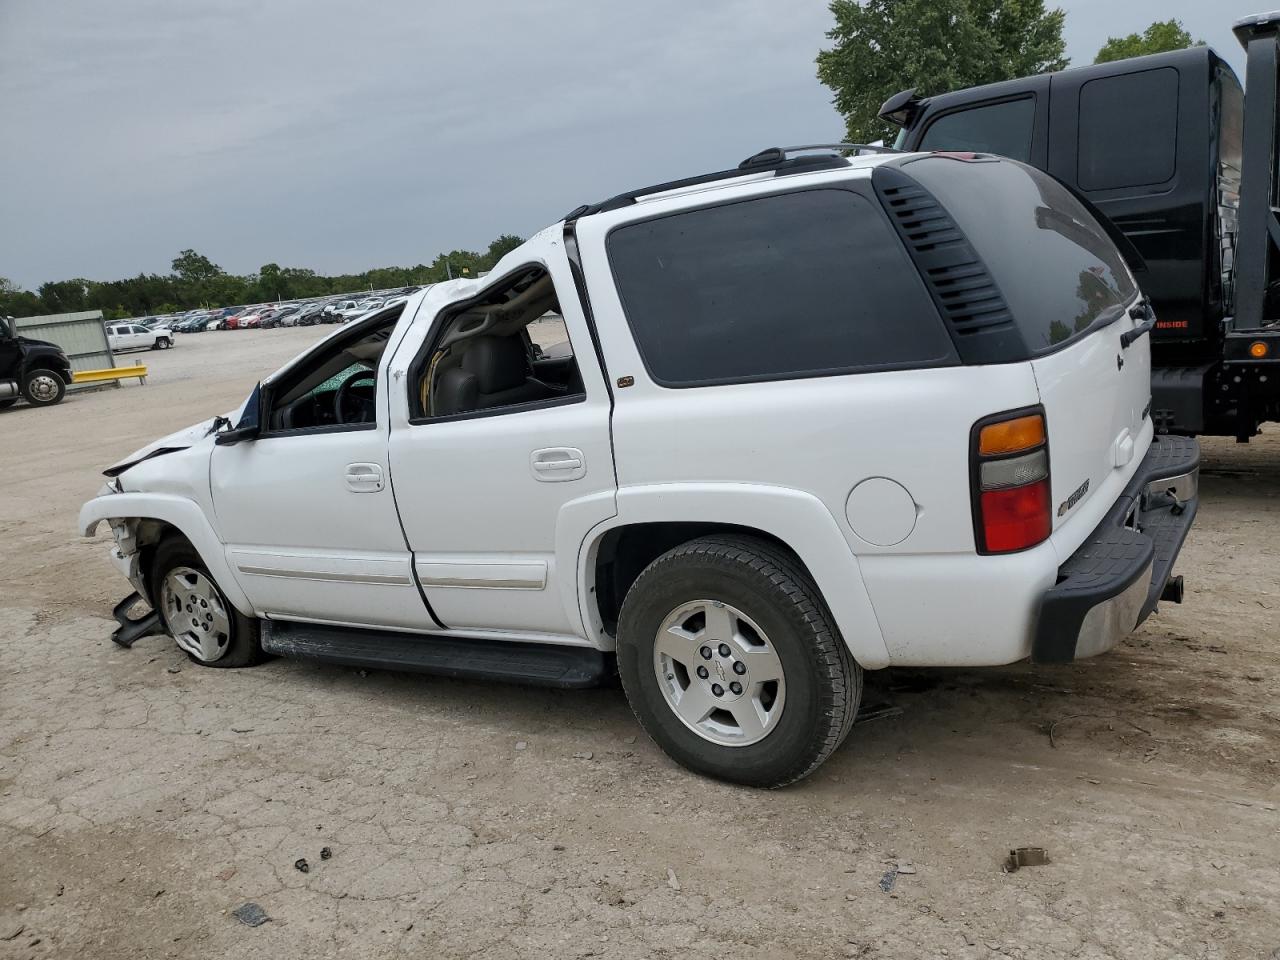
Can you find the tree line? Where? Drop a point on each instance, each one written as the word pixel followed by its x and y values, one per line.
pixel 196 281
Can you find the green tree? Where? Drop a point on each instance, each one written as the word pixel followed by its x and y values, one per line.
pixel 65 296
pixel 196 277
pixel 499 249
pixel 192 267
pixel 883 46
pixel 1160 37
pixel 16 302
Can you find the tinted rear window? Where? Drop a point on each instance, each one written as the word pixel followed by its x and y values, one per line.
pixel 1128 130
pixel 791 285
pixel 1058 270
pixel 1002 128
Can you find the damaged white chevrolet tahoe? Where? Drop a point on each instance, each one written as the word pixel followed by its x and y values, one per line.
pixel 815 415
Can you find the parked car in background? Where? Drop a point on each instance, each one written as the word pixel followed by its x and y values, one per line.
pixel 310 315
pixel 249 319
pixel 350 309
pixel 337 310
pixel 136 336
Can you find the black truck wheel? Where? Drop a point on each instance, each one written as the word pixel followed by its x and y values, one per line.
pixel 732 665
pixel 42 387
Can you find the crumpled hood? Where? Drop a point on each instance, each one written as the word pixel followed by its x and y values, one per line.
pixel 179 440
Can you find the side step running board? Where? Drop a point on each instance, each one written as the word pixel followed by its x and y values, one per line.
pixel 545 665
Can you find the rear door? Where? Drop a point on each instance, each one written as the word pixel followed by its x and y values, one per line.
pixel 496 502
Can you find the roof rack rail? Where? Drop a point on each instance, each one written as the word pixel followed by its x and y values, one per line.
pixel 780 160
pixel 775 156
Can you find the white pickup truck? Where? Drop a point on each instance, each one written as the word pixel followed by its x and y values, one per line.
pixel 815 415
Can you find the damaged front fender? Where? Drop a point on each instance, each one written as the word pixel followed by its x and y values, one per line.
pixel 130 513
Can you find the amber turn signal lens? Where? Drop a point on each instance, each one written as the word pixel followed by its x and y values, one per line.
pixel 1258 349
pixel 1011 436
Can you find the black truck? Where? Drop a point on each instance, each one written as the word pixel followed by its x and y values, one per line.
pixel 36 370
pixel 1185 167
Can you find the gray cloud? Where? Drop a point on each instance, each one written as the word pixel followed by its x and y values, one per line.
pixel 342 136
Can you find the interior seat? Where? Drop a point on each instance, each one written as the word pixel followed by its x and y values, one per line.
pixel 494 372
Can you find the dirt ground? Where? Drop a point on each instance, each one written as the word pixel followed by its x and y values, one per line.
pixel 142 799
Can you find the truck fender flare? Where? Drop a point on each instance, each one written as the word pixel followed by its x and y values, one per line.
pixel 794 517
pixel 179 512
pixel 44 362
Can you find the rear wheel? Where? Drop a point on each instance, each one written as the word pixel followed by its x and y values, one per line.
pixel 731 663
pixel 43 388
pixel 197 614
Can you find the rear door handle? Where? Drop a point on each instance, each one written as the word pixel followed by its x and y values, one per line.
pixel 557 464
pixel 364 477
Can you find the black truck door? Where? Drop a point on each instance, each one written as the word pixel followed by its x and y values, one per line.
pixel 10 350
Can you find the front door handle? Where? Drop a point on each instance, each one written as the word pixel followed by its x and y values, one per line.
pixel 557 464
pixel 364 477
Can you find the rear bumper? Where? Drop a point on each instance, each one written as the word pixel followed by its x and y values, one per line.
pixel 1116 578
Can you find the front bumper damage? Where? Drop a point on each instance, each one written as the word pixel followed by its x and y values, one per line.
pixel 126 559
pixel 1122 571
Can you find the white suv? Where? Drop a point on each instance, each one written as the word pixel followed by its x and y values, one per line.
pixel 135 336
pixel 814 416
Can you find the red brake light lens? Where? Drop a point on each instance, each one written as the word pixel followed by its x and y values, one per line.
pixel 1017 517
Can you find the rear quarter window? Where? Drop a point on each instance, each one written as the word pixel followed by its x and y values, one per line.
pixel 803 284
pixel 1003 128
pixel 1128 130
pixel 1059 272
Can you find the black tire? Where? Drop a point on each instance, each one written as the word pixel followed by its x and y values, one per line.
pixel 242 648
pixel 768 585
pixel 43 388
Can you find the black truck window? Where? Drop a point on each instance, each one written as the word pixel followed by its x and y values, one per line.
pixel 1003 128
pixel 803 284
pixel 1128 130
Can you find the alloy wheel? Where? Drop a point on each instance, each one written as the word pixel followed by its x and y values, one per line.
pixel 195 613
pixel 719 673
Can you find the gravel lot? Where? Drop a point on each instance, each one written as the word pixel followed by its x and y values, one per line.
pixel 142 799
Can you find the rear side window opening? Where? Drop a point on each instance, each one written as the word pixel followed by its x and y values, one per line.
pixel 804 284
pixel 1059 272
pixel 1128 130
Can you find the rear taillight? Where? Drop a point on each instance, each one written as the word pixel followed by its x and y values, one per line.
pixel 1011 501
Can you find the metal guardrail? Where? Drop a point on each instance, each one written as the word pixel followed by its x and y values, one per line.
pixel 112 374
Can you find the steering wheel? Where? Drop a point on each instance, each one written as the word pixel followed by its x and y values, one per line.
pixel 343 394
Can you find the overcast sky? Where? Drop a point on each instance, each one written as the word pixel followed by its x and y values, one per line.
pixel 342 136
